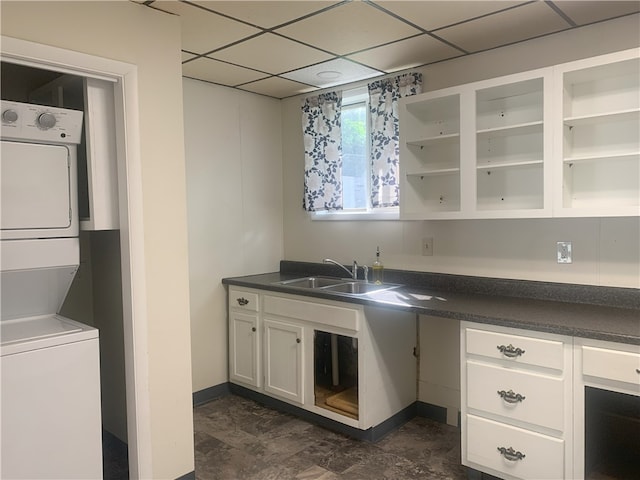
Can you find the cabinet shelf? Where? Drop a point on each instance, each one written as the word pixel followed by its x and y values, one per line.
pixel 434 173
pixel 492 166
pixel 618 115
pixel 519 129
pixel 435 140
pixel 601 157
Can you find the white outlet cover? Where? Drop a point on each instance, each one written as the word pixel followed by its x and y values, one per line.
pixel 564 252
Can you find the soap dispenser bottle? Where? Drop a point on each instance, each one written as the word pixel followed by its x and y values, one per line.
pixel 378 269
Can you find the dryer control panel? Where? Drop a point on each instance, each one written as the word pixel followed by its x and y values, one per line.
pixel 39 123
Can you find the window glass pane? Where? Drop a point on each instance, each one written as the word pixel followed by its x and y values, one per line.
pixel 355 168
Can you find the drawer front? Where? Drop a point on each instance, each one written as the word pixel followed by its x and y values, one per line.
pixel 543 456
pixel 312 312
pixel 611 364
pixel 243 300
pixel 515 348
pixel 528 397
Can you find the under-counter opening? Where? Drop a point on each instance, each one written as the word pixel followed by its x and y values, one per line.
pixel 336 373
pixel 612 430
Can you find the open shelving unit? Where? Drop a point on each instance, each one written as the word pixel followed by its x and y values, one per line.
pixel 600 140
pixel 510 146
pixel 561 141
pixel 431 146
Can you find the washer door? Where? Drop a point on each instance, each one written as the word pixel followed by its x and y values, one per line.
pixel 35 190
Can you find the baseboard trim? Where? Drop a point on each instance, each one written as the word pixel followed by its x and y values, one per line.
pixel 188 476
pixel 432 412
pixel 372 434
pixel 211 393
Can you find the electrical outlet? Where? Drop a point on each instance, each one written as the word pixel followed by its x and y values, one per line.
pixel 427 246
pixel 564 252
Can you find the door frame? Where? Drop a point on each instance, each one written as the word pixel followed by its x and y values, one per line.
pixel 125 79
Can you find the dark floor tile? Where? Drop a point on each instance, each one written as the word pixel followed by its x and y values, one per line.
pixel 238 439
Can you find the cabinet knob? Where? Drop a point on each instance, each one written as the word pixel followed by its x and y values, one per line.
pixel 511 396
pixel 298 340
pixel 510 351
pixel 510 454
pixel 253 329
pixel 242 301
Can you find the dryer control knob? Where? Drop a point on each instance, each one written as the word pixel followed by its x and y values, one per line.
pixel 46 120
pixel 9 116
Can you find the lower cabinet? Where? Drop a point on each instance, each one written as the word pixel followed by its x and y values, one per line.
pixel 349 363
pixel 607 409
pixel 516 402
pixel 542 406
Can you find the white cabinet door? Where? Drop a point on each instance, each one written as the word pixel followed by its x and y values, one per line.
pixel 244 348
pixel 283 365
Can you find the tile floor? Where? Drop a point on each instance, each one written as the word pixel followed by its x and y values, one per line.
pixel 238 439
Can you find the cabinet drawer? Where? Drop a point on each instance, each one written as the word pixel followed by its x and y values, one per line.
pixel 312 312
pixel 611 364
pixel 543 456
pixel 495 389
pixel 516 348
pixel 243 300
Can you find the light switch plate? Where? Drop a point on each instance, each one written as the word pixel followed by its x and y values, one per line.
pixel 564 252
pixel 427 246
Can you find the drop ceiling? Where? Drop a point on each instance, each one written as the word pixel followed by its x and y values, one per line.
pixel 286 48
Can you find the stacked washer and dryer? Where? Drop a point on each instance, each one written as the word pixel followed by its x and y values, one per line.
pixel 50 383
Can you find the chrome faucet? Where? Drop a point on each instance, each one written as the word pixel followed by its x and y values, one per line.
pixel 353 273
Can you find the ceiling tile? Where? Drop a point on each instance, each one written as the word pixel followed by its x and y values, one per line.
pixel 265 14
pixel 409 53
pixel 583 12
pixel 437 14
pixel 205 68
pixel 204 31
pixel 514 25
pixel 347 72
pixel 348 28
pixel 277 87
pixel 187 56
pixel 271 53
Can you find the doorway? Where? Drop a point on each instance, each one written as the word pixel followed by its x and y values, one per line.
pixel 129 255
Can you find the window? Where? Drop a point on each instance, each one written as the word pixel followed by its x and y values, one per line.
pixel 351 146
pixel 356 164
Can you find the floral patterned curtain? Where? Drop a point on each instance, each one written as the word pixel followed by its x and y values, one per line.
pixel 385 147
pixel 322 152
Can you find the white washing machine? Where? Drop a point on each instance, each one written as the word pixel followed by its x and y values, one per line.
pixel 50 384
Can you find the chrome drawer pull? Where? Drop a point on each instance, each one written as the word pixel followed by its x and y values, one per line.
pixel 510 454
pixel 242 301
pixel 510 351
pixel 511 396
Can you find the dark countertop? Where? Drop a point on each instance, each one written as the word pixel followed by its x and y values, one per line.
pixel 574 318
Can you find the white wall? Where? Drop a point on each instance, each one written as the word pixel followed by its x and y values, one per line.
pixel 131 33
pixel 234 200
pixel 605 251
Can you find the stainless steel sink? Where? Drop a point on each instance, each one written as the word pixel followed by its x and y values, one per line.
pixel 312 282
pixel 359 288
pixel 337 285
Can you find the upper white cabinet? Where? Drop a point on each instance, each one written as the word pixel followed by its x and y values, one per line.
pixel 430 155
pixel 560 141
pixel 512 149
pixel 477 151
pixel 598 136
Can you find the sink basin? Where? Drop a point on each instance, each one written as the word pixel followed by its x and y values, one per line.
pixel 337 285
pixel 312 282
pixel 359 288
